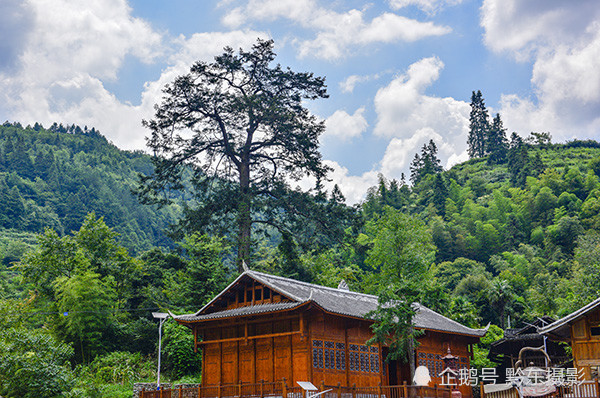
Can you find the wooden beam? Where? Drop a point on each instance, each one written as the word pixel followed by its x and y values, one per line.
pixel 346 353
pixel 238 320
pixel 262 336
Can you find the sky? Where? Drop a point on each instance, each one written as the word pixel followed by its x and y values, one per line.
pixel 398 72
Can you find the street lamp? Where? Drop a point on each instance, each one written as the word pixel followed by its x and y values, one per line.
pixel 163 317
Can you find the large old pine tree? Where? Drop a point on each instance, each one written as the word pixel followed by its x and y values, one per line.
pixel 239 125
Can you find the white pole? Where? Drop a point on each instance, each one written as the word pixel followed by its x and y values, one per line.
pixel 159 346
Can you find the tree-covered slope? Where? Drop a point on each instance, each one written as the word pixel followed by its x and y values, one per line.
pixel 54 177
pixel 520 238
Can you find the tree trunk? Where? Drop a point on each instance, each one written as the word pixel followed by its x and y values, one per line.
pixel 411 356
pixel 244 217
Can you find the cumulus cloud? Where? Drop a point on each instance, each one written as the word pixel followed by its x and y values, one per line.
pixel 429 6
pixel 15 26
pixel 343 126
pixel 337 32
pixel 563 43
pixel 410 118
pixel 353 187
pixel 76 46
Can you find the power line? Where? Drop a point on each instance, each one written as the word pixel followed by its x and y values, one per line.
pixel 66 313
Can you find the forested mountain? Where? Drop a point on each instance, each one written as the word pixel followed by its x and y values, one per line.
pixel 54 177
pixel 517 239
pixel 513 233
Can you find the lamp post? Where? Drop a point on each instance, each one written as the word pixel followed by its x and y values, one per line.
pixel 162 316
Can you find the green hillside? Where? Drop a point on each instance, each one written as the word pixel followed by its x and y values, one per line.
pixel 485 242
pixel 510 241
pixel 54 177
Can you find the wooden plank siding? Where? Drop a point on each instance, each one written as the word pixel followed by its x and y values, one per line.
pixel 585 344
pixel 250 335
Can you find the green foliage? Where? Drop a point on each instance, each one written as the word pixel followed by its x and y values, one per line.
pixel 52 178
pixel 252 134
pixel 86 301
pixel 33 364
pixel 496 143
pixel 112 375
pixel 204 276
pixel 480 351
pixel 426 164
pixel 178 351
pixel 478 126
pixel 401 253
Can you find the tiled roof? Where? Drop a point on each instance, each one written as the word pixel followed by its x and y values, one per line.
pixel 561 328
pixel 333 300
pixel 249 310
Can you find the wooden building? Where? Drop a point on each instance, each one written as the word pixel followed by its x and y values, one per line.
pixel 582 330
pixel 506 350
pixel 266 327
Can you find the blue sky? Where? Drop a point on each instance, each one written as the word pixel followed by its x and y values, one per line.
pixel 399 72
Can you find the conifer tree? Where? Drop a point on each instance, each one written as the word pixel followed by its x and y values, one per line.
pixel 496 143
pixel 426 164
pixel 478 126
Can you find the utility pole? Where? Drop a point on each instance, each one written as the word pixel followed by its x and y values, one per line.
pixel 162 316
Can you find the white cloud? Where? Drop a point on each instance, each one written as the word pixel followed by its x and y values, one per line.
pixel 429 6
pixel 337 32
pixel 410 118
pixel 354 188
pixel 343 126
pixel 563 42
pixel 75 46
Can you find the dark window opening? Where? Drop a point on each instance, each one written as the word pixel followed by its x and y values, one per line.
pixel 258 295
pixel 241 296
pixel 248 295
pixel 267 294
pixel 595 330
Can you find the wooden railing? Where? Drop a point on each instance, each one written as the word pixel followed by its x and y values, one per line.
pixel 587 389
pixel 280 389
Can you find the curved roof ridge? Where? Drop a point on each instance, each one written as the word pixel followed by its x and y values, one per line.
pixel 313 285
pixel 452 320
pixel 572 316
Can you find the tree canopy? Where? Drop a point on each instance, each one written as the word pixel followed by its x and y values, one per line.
pixel 240 126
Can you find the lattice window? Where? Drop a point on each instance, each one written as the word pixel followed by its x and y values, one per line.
pixel 353 363
pixel 435 364
pixel 375 363
pixel 318 354
pixel 364 367
pixel 332 356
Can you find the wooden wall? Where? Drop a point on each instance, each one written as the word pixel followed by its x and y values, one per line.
pixel 433 346
pixel 585 342
pixel 258 358
pixel 331 349
pixel 344 339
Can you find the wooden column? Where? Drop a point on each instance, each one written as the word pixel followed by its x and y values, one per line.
pixel 272 355
pixel 220 363
pixel 310 354
pixel 254 361
pixel 381 365
pixel 291 356
pixel 346 349
pixel 237 360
